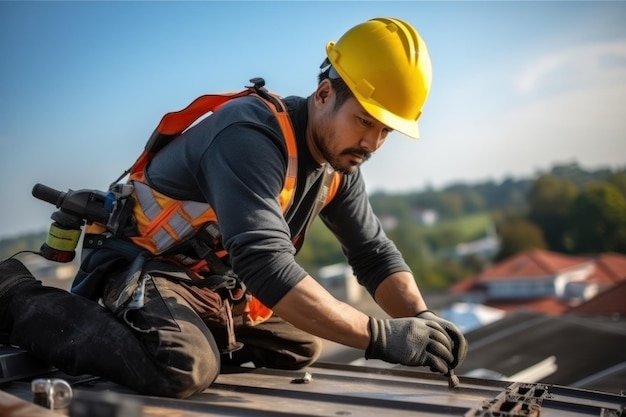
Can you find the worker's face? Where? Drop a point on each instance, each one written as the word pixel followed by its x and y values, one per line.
pixel 345 137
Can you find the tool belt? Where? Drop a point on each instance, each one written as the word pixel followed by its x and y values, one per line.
pixel 220 293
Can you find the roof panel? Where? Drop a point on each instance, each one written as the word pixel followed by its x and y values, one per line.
pixel 342 390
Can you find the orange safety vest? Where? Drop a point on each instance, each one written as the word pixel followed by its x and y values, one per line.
pixel 164 222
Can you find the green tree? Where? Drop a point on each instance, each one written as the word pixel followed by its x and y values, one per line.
pixel 451 204
pixel 397 206
pixel 618 179
pixel 517 235
pixel 597 220
pixel 409 242
pixel 473 202
pixel 549 201
pixel 444 237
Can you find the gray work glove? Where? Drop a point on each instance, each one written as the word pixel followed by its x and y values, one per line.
pixel 459 344
pixel 410 341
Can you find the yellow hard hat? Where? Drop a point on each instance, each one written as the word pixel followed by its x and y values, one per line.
pixel 386 65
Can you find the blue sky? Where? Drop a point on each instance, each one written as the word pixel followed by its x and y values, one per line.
pixel 518 86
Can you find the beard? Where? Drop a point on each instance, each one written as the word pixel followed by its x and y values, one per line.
pixel 341 162
pixel 342 166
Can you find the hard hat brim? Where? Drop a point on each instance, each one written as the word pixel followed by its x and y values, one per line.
pixel 408 128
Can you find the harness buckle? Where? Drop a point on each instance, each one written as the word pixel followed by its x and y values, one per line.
pixel 238 292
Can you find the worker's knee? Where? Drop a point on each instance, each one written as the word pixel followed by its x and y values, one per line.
pixel 183 363
pixel 308 354
pixel 296 356
pixel 188 383
pixel 177 382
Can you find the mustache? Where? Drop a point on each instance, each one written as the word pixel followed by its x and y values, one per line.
pixel 357 151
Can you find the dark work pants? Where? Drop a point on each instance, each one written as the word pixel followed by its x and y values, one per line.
pixel 164 348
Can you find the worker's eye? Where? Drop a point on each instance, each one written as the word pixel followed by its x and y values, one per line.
pixel 364 122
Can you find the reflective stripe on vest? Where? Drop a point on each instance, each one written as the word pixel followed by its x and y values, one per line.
pixel 167 221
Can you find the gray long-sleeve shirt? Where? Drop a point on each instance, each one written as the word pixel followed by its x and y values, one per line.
pixel 236 161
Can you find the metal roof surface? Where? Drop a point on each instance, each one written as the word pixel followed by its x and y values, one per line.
pixel 336 390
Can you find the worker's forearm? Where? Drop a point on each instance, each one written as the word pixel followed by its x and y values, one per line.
pixel 309 307
pixel 399 296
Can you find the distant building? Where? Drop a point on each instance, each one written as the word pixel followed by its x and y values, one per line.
pixel 468 316
pixel 427 217
pixel 610 302
pixel 543 281
pixel 486 247
pixel 388 222
pixel 339 280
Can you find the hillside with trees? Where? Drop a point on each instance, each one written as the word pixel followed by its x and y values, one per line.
pixel 567 209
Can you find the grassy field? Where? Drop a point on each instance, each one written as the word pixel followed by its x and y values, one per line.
pixel 472 224
pixel 465 228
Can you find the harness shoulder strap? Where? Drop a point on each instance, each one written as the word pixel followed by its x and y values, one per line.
pixel 330 186
pixel 174 123
pixel 333 186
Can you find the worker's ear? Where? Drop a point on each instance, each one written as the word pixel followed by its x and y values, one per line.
pixel 323 93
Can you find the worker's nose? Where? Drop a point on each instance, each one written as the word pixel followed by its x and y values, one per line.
pixel 372 140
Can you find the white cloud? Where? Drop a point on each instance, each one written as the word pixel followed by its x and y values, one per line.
pixel 581 66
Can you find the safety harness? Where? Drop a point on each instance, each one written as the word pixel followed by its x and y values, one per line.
pixel 187 232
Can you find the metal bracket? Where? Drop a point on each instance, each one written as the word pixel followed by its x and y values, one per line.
pixel 518 400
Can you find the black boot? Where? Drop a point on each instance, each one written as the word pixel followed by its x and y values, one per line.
pixel 78 336
pixel 12 275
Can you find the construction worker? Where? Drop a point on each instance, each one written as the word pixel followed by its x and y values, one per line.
pixel 159 310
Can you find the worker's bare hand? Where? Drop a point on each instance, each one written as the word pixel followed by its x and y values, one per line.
pixel 459 344
pixel 411 341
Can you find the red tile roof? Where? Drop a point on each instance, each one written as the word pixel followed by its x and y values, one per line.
pixel 609 271
pixel 532 264
pixel 610 302
pixel 610 268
